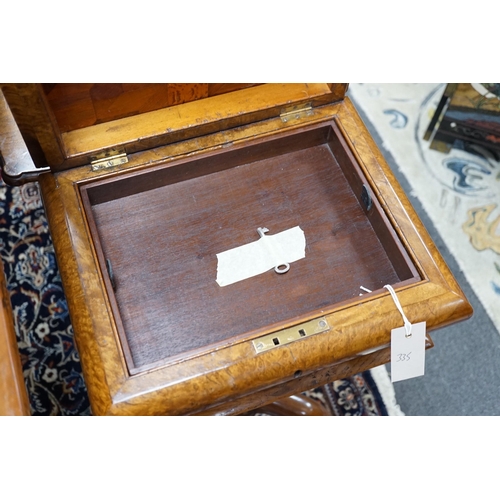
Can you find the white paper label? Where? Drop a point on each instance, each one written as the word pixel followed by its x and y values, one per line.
pixel 407 353
pixel 260 256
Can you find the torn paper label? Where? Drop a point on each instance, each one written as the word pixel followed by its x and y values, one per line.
pixel 260 256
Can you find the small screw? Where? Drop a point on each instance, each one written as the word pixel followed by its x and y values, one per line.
pixel 260 346
pixel 322 323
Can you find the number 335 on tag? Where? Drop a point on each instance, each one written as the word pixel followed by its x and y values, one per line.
pixel 407 352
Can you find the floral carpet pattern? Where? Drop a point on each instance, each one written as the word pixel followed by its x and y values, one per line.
pixel 50 361
pixel 356 396
pixel 459 190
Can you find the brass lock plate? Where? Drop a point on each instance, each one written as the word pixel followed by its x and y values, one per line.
pixel 288 335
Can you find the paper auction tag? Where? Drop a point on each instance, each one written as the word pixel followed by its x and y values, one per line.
pixel 408 352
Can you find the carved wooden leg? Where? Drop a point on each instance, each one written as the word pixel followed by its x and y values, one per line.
pixel 296 405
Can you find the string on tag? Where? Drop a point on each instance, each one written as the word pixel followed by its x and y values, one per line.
pixel 400 309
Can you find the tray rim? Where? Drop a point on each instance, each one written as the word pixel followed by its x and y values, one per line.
pixel 252 334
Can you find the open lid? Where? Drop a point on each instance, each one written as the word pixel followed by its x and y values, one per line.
pixel 68 125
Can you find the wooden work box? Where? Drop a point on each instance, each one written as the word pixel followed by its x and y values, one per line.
pixel 148 183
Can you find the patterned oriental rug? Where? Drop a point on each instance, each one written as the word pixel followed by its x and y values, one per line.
pixel 50 361
pixel 459 190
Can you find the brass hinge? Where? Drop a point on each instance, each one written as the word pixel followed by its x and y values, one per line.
pixel 110 158
pixel 296 112
pixel 292 334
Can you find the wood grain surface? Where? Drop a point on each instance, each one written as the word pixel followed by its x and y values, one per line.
pixel 13 395
pixel 66 125
pixel 232 377
pixel 77 105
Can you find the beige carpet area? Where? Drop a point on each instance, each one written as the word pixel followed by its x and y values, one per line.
pixel 457 197
pixel 459 191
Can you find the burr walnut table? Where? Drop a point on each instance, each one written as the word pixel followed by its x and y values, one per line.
pixel 145 184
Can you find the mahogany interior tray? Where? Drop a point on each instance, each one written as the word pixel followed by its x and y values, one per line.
pixel 160 230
